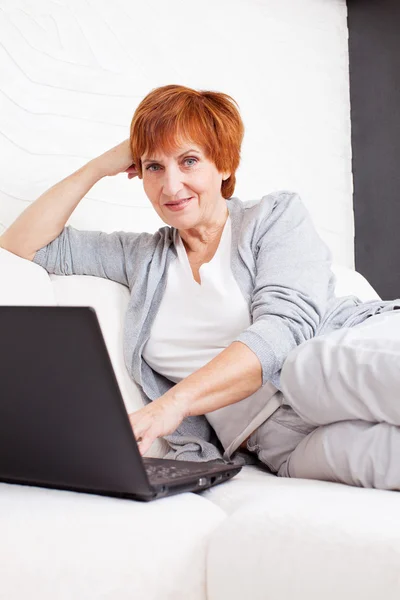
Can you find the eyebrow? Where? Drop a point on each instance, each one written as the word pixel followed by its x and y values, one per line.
pixel 191 150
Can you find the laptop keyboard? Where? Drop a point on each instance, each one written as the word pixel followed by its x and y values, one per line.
pixel 158 472
pixel 161 469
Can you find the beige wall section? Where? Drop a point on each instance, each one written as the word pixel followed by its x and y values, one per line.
pixel 73 73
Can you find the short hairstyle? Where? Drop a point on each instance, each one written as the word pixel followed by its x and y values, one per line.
pixel 172 113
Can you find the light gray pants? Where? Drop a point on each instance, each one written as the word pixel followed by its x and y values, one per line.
pixel 341 417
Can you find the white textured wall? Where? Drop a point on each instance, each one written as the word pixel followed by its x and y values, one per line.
pixel 73 71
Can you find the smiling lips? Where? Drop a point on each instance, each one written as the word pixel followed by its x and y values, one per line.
pixel 179 205
pixel 177 202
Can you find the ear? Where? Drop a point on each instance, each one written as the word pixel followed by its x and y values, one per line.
pixel 225 176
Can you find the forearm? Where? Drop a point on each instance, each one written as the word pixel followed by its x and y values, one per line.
pixel 43 220
pixel 230 377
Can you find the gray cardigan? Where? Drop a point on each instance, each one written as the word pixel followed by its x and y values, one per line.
pixel 281 266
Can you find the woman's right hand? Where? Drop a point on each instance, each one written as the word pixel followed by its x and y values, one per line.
pixel 118 159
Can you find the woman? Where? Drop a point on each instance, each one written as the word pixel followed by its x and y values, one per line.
pixel 222 298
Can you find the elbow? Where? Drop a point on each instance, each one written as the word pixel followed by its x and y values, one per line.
pixel 5 245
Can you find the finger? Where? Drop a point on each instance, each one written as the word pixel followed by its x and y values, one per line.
pixel 138 431
pixel 139 435
pixel 144 444
pixel 139 445
pixel 143 437
pixel 136 417
pixel 142 450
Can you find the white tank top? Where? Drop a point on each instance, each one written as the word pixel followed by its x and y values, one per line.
pixel 195 322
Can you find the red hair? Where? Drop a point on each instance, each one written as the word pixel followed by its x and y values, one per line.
pixel 172 113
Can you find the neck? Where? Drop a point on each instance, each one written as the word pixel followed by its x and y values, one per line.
pixel 200 238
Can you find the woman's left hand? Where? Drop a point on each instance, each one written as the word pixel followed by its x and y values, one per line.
pixel 159 418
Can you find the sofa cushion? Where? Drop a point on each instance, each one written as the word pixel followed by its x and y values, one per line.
pixel 294 538
pixel 57 545
pixel 351 282
pixel 110 301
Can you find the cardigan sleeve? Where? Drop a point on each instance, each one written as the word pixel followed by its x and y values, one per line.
pixel 293 283
pixel 76 252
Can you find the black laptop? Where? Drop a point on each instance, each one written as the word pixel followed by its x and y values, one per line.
pixel 63 422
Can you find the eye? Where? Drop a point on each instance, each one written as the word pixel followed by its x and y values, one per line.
pixel 154 167
pixel 190 161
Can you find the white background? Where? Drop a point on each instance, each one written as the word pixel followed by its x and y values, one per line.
pixel 73 71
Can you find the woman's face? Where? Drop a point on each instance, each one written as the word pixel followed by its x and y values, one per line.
pixel 184 175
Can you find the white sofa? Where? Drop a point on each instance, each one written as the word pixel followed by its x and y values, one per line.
pixel 256 537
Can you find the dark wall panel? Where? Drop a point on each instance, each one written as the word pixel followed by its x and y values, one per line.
pixel 374 48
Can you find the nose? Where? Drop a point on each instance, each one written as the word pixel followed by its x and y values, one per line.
pixel 172 180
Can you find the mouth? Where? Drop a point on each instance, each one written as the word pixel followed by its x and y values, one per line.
pixel 175 202
pixel 178 204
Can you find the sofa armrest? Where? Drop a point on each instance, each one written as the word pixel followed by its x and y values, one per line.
pixel 23 282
